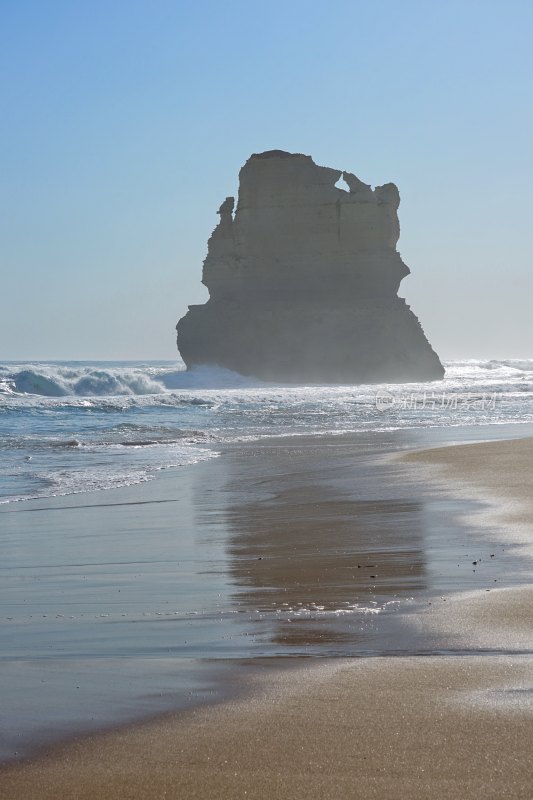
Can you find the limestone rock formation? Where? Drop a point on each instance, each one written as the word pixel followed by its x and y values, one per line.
pixel 303 280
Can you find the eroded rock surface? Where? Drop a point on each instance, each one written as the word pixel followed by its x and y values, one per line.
pixel 303 280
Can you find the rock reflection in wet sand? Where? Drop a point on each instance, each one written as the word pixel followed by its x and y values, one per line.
pixel 313 563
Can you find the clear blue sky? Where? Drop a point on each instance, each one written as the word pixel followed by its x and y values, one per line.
pixel 124 125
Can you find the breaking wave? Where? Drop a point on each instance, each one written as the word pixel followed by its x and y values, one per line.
pixel 94 380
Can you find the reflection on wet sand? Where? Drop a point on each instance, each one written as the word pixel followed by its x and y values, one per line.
pixel 313 561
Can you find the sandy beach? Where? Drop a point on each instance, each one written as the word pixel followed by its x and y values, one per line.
pixel 379 728
pixel 454 721
pixel 497 473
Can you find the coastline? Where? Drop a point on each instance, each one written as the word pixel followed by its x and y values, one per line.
pixel 409 718
pixel 379 728
pixel 498 473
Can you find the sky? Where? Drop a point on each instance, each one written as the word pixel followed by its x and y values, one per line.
pixel 124 126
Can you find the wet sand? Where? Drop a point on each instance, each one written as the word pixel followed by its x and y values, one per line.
pixel 373 728
pixel 438 726
pixel 500 474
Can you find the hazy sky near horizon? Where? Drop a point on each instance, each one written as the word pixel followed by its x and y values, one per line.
pixel 124 126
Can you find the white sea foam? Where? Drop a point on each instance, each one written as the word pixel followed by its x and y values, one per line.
pixel 105 472
pixel 97 380
pixel 105 424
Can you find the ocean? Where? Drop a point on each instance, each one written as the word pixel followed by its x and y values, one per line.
pixel 157 537
pixel 69 427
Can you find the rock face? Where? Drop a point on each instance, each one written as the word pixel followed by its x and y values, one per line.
pixel 303 280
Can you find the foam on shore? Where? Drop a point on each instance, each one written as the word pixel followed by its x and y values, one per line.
pixel 416 727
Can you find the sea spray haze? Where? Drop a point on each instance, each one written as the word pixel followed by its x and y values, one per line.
pixel 71 427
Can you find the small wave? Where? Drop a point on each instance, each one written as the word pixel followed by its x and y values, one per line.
pixel 478 366
pixel 32 443
pixel 520 365
pixel 189 438
pixel 112 437
pixel 157 433
pixel 140 443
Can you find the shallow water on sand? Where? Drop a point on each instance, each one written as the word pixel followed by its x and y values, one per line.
pixel 69 427
pixel 121 604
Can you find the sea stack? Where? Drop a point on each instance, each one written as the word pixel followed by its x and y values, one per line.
pixel 303 279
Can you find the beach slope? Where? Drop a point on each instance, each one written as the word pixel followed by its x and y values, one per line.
pixel 439 726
